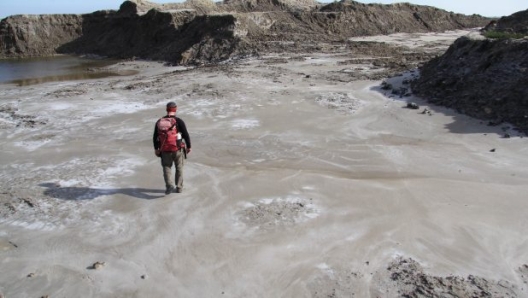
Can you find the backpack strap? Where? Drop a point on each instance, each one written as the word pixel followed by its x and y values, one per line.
pixel 172 126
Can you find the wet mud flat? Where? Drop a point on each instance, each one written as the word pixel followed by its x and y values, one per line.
pixel 305 180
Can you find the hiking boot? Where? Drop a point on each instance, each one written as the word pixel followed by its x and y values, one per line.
pixel 169 190
pixel 178 190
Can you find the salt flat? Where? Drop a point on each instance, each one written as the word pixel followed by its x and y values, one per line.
pixel 298 185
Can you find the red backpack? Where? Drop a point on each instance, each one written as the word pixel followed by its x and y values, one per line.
pixel 168 134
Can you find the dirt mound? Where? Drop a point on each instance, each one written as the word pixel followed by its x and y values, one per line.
pixel 31 35
pixel 406 278
pixel 515 23
pixel 276 213
pixel 483 78
pixel 182 37
pixel 376 19
pixel 137 7
pixel 202 31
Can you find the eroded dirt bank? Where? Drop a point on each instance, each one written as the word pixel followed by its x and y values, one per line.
pixel 196 32
pixel 483 77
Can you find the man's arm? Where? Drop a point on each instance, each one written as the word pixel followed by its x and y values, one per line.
pixel 185 134
pixel 155 139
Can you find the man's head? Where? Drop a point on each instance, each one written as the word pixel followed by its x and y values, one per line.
pixel 171 108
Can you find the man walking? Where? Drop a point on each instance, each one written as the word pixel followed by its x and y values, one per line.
pixel 172 143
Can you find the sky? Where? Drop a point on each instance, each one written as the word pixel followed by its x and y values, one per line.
pixel 489 8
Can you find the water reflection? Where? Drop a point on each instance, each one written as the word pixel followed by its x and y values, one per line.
pixel 32 71
pixel 71 77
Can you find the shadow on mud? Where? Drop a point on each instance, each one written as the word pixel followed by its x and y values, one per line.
pixel 87 193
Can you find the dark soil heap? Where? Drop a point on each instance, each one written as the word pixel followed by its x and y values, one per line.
pixel 483 78
pixel 406 278
pixel 516 23
pixel 202 31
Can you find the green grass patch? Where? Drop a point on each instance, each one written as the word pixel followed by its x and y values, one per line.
pixel 503 35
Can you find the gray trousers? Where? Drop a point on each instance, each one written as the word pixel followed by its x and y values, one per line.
pixel 167 158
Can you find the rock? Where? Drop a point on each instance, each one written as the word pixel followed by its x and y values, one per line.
pixel 31 275
pixel 386 86
pixel 493 150
pixel 412 105
pixel 98 265
pixel 28 202
pixel 426 111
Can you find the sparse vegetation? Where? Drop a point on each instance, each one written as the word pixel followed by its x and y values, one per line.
pixel 503 35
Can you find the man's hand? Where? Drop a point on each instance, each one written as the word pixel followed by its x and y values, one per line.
pixel 157 153
pixel 188 150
